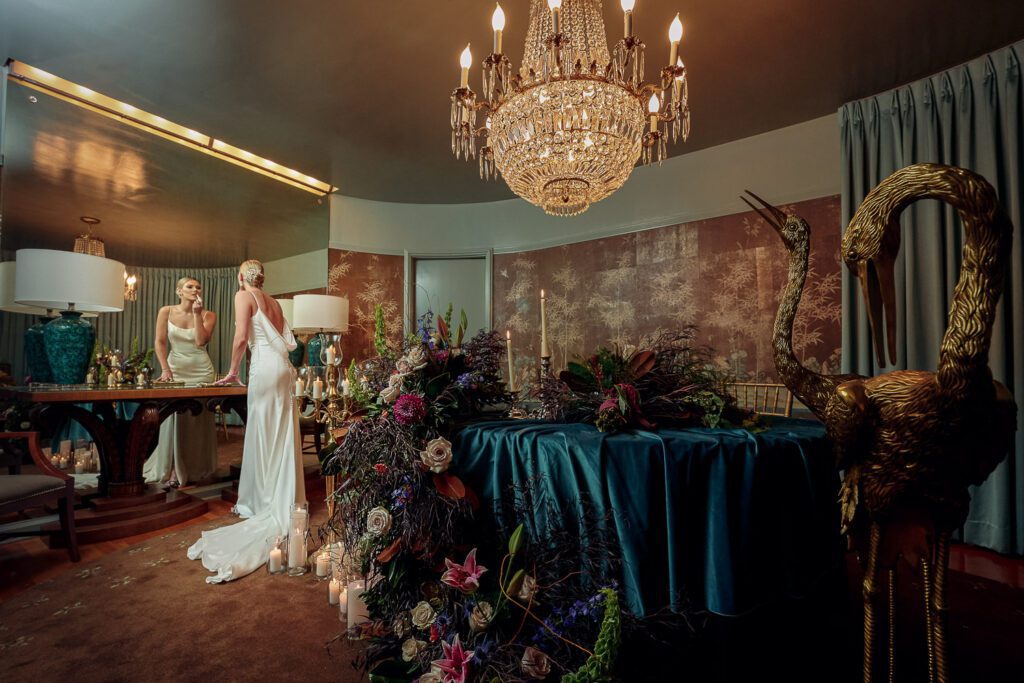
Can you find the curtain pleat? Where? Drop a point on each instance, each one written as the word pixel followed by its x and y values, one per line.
pixel 970 116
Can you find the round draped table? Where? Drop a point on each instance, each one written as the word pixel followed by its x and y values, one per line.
pixel 723 520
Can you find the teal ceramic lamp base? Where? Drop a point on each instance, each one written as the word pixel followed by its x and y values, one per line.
pixel 296 355
pixel 313 347
pixel 69 344
pixel 35 353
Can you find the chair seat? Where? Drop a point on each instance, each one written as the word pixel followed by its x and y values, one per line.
pixel 21 486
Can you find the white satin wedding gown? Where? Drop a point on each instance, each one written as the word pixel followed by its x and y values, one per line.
pixel 271 480
pixel 188 443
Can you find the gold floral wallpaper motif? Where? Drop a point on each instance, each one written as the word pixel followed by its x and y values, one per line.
pixel 724 275
pixel 367 280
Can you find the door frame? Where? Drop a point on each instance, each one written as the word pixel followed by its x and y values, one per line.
pixel 409 291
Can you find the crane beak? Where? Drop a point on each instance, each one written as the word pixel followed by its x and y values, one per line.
pixel 773 216
pixel 878 285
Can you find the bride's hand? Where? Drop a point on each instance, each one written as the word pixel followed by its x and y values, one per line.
pixel 228 380
pixel 165 376
pixel 197 305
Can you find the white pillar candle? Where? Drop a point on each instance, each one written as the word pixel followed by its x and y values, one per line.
pixel 299 389
pixel 323 564
pixel 357 612
pixel 333 592
pixel 276 560
pixel 343 605
pixel 111 380
pixel 330 355
pixel 296 549
pixel 79 467
pixel 346 388
pixel 318 388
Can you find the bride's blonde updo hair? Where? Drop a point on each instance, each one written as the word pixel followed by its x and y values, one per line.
pixel 184 281
pixel 252 273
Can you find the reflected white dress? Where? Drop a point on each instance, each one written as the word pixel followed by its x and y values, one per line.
pixel 187 442
pixel 271 479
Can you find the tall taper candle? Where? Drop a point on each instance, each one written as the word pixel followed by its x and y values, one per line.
pixel 511 372
pixel 544 352
pixel 498 24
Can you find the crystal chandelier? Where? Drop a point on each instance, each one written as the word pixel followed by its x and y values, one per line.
pixel 568 129
pixel 87 243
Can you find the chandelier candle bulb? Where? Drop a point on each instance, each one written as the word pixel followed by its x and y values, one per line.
pixel 465 61
pixel 498 24
pixel 627 17
pixel 556 6
pixel 653 105
pixel 675 34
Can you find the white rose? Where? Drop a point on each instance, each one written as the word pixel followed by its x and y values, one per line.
pixel 435 675
pixel 400 627
pixel 438 455
pixel 403 365
pixel 535 663
pixel 481 617
pixel 417 357
pixel 390 393
pixel 411 648
pixel 378 521
pixel 528 588
pixel 423 615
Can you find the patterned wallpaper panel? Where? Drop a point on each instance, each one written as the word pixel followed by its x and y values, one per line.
pixel 724 275
pixel 366 280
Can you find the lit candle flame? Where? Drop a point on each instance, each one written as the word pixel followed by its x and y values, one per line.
pixel 498 19
pixel 653 105
pixel 628 5
pixel 466 58
pixel 675 31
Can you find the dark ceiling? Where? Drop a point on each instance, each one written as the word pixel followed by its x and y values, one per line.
pixel 356 93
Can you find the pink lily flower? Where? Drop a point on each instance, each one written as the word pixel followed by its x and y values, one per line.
pixel 455 665
pixel 465 576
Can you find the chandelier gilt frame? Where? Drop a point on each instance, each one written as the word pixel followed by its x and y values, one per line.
pixel 567 130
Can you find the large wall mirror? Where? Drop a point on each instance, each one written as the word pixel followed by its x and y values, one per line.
pixel 165 210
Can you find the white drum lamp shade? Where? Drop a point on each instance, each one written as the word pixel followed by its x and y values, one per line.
pixel 288 311
pixel 7 303
pixel 319 312
pixel 47 278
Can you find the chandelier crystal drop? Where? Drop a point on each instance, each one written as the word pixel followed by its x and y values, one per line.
pixel 567 130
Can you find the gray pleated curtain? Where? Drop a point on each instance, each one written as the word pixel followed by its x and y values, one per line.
pixel 970 116
pixel 138 320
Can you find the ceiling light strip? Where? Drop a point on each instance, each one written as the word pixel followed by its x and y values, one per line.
pixel 82 96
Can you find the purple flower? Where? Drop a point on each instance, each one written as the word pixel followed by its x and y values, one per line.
pixel 410 409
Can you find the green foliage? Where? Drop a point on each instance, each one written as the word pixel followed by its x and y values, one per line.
pixel 598 666
pixel 380 333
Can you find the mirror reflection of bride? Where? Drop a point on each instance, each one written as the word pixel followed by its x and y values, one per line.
pixel 187 451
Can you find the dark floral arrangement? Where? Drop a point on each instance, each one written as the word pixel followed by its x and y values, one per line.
pixel 448 602
pixel 669 383
pixel 125 368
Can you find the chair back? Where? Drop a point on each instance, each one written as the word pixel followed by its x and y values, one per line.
pixel 763 398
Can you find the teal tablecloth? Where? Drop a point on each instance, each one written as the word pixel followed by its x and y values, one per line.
pixel 723 518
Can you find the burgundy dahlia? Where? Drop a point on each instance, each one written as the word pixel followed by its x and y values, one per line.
pixel 410 409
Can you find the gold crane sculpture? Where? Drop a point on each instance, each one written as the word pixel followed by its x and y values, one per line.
pixel 914 440
pixel 815 390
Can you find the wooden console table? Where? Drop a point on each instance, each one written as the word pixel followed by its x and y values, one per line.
pixel 125 504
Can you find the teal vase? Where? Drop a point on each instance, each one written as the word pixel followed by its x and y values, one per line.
pixel 313 351
pixel 35 353
pixel 296 356
pixel 69 344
